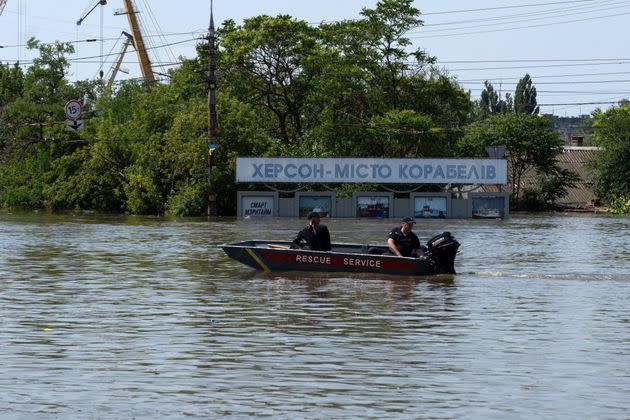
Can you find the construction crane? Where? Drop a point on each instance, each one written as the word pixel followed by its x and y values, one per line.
pixel 2 3
pixel 116 66
pixel 82 18
pixel 136 39
pixel 85 15
pixel 138 42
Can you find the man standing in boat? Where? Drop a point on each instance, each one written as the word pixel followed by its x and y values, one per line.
pixel 403 242
pixel 315 235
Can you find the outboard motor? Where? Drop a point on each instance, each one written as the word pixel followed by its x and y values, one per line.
pixel 442 251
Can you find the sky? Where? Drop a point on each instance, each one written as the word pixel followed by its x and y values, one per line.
pixel 577 52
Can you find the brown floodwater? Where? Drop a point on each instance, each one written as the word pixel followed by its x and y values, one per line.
pixel 138 317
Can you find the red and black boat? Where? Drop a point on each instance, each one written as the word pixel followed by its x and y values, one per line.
pixel 439 257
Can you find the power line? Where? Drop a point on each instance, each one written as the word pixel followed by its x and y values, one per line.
pixel 565 82
pixel 526 14
pixel 505 7
pixel 582 103
pixel 81 59
pixel 570 92
pixel 519 27
pixel 194 33
pixel 507 21
pixel 541 66
pixel 528 60
pixel 541 77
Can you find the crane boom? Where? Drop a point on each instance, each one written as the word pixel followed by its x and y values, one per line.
pixel 119 59
pixel 138 42
pixel 86 14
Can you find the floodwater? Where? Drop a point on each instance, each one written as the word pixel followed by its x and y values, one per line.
pixel 138 317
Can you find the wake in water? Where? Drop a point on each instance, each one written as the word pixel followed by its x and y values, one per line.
pixel 554 276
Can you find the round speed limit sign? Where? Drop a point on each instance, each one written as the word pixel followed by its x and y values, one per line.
pixel 73 109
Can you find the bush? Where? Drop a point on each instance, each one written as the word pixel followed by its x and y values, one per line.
pixel 188 201
pixel 533 199
pixel 619 205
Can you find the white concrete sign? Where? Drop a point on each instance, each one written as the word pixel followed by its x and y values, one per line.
pixel 371 170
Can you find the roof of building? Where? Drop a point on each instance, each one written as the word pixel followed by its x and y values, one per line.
pixel 576 159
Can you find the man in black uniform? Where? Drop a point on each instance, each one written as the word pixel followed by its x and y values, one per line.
pixel 315 235
pixel 403 242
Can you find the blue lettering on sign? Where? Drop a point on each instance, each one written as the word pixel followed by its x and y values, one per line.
pixel 343 171
pixel 293 169
pixel 258 171
pixel 402 172
pixel 360 172
pixel 373 171
pixel 415 171
pixel 305 171
pixel 461 171
pixel 318 171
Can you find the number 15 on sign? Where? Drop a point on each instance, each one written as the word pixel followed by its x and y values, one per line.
pixel 73 109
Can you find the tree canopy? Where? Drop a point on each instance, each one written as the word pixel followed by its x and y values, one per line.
pixel 285 87
pixel 612 162
pixel 529 140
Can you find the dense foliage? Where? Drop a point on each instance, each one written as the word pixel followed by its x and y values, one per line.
pixel 612 163
pixel 530 145
pixel 523 101
pixel 349 88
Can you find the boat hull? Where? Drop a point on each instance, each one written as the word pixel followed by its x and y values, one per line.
pixel 277 256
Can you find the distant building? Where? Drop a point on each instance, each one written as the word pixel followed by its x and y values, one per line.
pixel 574 158
pixel 570 127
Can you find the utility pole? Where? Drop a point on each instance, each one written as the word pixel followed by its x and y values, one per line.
pixel 212 116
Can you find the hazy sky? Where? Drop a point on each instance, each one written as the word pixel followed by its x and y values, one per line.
pixel 577 52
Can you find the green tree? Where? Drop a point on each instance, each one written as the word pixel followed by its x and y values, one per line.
pixel 11 88
pixel 33 125
pixel 285 88
pixel 612 162
pixel 402 133
pixel 525 97
pixel 386 26
pixel 266 63
pixel 491 104
pixel 11 83
pixel 548 188
pixel 529 140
